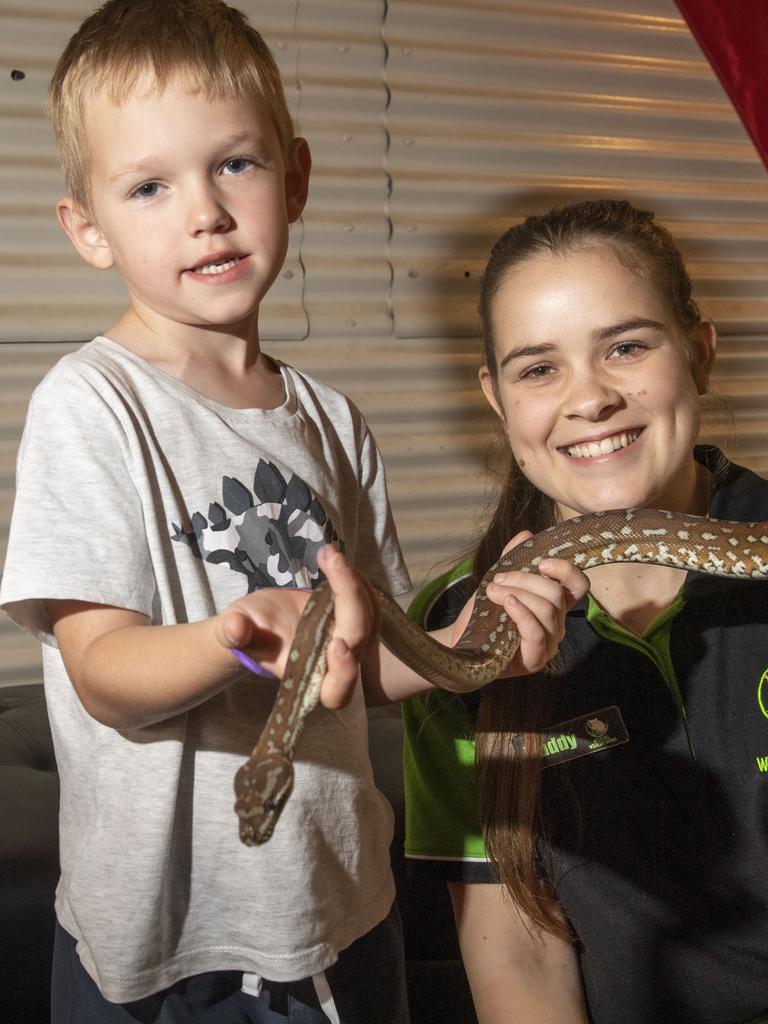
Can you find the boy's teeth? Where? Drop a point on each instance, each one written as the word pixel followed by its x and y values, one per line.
pixel 217 268
pixel 604 447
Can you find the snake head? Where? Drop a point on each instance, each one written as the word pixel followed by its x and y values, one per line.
pixel 262 787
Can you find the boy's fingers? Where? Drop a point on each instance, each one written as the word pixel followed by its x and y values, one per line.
pixel 355 609
pixel 340 680
pixel 236 629
pixel 356 617
pixel 263 625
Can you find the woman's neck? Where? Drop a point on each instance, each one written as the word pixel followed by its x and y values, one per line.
pixel 633 594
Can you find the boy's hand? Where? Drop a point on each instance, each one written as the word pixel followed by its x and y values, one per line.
pixel 537 603
pixel 263 624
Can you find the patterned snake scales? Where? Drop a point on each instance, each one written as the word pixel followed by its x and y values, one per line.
pixel 717 547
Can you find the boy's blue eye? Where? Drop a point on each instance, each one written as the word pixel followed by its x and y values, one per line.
pixel 147 191
pixel 237 165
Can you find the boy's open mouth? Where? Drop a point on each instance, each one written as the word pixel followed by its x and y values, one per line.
pixel 217 267
pixel 593 449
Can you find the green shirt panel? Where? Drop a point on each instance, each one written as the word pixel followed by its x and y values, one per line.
pixel 441 819
pixel 441 815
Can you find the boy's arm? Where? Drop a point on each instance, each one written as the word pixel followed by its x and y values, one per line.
pixel 128 673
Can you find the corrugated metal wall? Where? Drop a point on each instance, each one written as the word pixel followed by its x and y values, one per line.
pixel 432 126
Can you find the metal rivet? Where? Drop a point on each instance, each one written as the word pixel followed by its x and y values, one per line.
pixel 288 274
pixel 413 273
pixel 17 75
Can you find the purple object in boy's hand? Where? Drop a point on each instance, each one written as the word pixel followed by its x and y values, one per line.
pixel 251 665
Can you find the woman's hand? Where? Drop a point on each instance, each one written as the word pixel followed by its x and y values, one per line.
pixel 263 624
pixel 537 603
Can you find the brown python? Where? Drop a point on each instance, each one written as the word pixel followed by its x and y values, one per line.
pixel 717 547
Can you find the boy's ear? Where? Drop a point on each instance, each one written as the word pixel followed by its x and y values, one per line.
pixel 297 167
pixel 84 233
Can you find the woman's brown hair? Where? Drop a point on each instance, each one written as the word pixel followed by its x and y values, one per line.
pixel 511 719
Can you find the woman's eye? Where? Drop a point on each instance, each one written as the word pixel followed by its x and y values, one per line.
pixel 536 372
pixel 147 191
pixel 627 348
pixel 237 165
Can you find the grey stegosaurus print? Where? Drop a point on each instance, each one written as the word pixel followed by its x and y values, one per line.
pixel 271 534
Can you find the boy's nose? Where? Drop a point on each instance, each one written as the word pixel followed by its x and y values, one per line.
pixel 207 213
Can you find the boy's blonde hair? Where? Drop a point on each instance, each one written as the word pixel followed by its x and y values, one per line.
pixel 206 40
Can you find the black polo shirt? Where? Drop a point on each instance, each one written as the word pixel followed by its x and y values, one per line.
pixel 656 804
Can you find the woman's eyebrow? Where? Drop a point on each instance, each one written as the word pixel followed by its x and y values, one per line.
pixel 525 352
pixel 633 324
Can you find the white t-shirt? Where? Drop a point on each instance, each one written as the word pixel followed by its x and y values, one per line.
pixel 134 490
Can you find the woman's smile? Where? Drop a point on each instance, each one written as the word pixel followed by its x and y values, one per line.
pixel 597 447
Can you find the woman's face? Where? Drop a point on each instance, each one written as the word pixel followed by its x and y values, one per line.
pixel 595 385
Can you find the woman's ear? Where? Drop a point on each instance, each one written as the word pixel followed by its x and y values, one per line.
pixel 488 384
pixel 84 233
pixel 297 168
pixel 704 347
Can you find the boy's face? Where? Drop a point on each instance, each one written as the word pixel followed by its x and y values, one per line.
pixel 190 200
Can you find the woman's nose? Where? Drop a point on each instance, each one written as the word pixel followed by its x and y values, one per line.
pixel 592 396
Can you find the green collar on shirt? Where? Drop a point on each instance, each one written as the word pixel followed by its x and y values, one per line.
pixel 654 644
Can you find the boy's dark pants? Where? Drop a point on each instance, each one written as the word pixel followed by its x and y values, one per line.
pixel 367 984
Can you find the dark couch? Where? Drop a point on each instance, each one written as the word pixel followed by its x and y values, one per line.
pixel 29 795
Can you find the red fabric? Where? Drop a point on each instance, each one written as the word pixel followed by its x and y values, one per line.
pixel 734 37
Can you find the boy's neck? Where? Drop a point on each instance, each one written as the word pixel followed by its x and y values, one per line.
pixel 226 366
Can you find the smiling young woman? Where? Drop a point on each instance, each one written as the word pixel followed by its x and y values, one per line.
pixel 637 857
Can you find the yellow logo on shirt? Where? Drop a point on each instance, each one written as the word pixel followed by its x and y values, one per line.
pixel 762 693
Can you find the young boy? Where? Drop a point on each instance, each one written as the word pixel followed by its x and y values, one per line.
pixel 176 468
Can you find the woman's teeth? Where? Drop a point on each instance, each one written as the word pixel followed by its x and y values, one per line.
pixel 608 444
pixel 217 268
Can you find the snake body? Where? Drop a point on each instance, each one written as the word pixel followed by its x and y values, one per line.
pixel 717 547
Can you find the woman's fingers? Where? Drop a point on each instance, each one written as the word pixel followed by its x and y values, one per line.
pixel 537 603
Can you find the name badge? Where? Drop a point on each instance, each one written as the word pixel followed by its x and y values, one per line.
pixel 588 734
